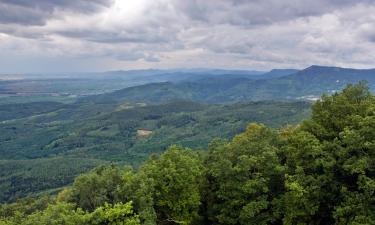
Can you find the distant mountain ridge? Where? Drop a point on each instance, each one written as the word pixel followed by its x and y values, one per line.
pixel 275 85
pixel 277 73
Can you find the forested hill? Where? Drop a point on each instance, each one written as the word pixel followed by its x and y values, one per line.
pixel 277 73
pixel 45 145
pixel 320 172
pixel 307 84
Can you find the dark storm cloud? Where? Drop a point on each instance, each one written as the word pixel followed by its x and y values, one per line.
pixel 37 12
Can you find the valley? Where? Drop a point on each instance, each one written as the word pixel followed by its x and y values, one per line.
pixel 104 133
pixel 104 123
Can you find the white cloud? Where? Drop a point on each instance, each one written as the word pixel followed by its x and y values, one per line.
pixel 126 34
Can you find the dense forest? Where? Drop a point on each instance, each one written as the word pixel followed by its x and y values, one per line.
pixel 321 171
pixel 44 146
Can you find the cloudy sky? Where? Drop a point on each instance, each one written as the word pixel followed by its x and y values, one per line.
pixel 98 35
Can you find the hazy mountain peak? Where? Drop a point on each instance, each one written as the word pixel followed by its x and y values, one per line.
pixel 318 67
pixel 281 70
pixel 334 68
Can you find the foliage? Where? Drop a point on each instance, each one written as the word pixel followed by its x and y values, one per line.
pixel 93 189
pixel 15 111
pixel 50 149
pixel 244 178
pixel 334 179
pixel 64 213
pixel 113 215
pixel 320 172
pixel 21 177
pixel 166 189
pixel 176 182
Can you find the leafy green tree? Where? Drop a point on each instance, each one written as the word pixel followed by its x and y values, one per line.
pixel 55 214
pixel 113 215
pixel 66 214
pixel 97 187
pixel 332 114
pixel 176 178
pixel 330 161
pixel 245 178
pixel 136 187
pixel 25 206
pixel 308 180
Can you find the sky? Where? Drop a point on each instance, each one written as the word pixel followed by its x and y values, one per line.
pixel 99 35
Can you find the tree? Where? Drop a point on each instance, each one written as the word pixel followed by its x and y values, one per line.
pixel 245 178
pixel 136 187
pixel 97 187
pixel 331 161
pixel 176 178
pixel 54 214
pixel 113 215
pixel 65 213
pixel 309 184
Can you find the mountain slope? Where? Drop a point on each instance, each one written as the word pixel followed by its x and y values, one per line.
pixel 201 90
pixel 78 137
pixel 305 84
pixel 275 73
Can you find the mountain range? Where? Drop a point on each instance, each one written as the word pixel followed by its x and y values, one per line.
pixel 306 84
pixel 135 114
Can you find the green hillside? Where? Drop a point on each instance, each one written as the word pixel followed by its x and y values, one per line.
pixel 319 172
pixel 88 134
